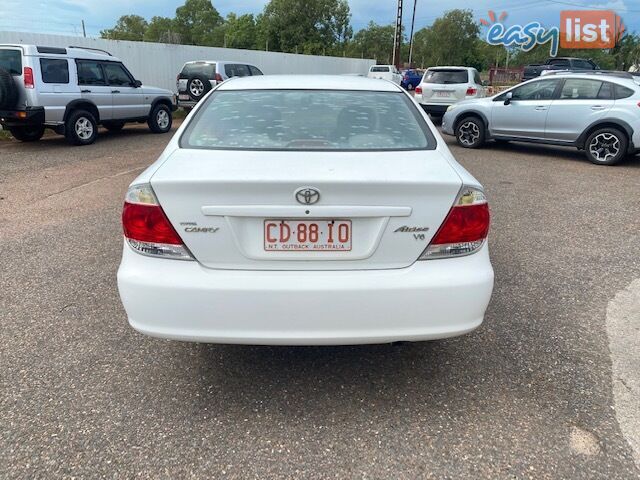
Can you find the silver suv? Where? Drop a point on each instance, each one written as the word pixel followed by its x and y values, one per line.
pixel 73 90
pixel 444 86
pixel 198 77
pixel 594 111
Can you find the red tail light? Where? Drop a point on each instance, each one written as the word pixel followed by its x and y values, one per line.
pixel 465 228
pixel 471 91
pixel 28 77
pixel 418 90
pixel 147 228
pixel 148 223
pixel 465 223
pixel 219 78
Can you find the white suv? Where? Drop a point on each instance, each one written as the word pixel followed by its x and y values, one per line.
pixel 444 86
pixel 72 90
pixel 198 77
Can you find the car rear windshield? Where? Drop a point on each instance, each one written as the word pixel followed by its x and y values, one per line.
pixel 11 61
pixel 206 69
pixel 446 76
pixel 308 120
pixel 379 69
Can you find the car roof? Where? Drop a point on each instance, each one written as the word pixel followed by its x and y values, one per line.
pixel 73 52
pixel 215 61
pixel 309 82
pixel 619 77
pixel 452 67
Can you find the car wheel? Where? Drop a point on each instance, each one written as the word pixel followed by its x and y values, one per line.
pixel 27 134
pixel 410 87
pixel 8 90
pixel 470 132
pixel 606 146
pixel 113 126
pixel 81 128
pixel 198 86
pixel 160 119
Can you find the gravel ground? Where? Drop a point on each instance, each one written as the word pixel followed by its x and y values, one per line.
pixel 528 395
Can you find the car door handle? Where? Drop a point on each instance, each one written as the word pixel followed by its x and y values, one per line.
pixel 85 91
pixel 115 91
pixel 598 107
pixel 541 108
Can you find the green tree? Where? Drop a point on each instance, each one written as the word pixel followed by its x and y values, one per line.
pixel 128 27
pixel 309 26
pixel 162 29
pixel 199 23
pixel 373 41
pixel 240 31
pixel 453 39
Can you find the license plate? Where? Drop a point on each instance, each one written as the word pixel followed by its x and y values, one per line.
pixel 442 94
pixel 307 235
pixel 183 97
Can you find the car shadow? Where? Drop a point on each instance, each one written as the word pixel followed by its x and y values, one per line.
pixel 52 140
pixel 553 152
pixel 343 379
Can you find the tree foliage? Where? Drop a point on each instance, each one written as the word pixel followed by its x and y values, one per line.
pixel 128 27
pixel 306 26
pixel 323 27
pixel 199 23
pixel 373 41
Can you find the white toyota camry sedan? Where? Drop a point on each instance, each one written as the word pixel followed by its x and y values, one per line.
pixel 305 210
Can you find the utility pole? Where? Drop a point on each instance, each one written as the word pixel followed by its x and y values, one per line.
pixel 397 41
pixel 413 21
pixel 84 31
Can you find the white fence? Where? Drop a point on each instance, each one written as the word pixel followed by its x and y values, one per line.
pixel 158 63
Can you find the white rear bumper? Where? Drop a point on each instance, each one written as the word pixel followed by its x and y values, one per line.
pixel 185 301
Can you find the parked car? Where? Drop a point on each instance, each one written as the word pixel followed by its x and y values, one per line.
pixel 332 214
pixel 385 72
pixel 444 86
pixel 557 63
pixel 593 111
pixel 73 90
pixel 197 78
pixel 411 79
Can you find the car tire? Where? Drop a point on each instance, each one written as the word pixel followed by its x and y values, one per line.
pixel 81 128
pixel 113 126
pixel 606 146
pixel 31 133
pixel 197 87
pixel 410 87
pixel 8 90
pixel 160 119
pixel 470 132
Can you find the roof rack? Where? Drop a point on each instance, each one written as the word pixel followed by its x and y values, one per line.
pixel 89 48
pixel 613 73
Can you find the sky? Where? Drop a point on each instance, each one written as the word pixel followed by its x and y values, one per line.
pixel 65 16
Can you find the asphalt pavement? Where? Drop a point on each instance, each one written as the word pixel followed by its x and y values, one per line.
pixel 531 394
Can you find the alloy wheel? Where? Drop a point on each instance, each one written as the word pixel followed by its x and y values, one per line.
pixel 84 128
pixel 162 119
pixel 468 133
pixel 604 146
pixel 197 87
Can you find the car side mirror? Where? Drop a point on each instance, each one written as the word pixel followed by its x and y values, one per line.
pixel 507 98
pixel 137 83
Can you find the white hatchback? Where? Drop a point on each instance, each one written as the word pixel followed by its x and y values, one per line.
pixel 293 210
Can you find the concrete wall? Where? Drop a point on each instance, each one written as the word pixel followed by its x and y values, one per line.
pixel 158 63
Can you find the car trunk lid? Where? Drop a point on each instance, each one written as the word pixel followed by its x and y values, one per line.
pixel 228 205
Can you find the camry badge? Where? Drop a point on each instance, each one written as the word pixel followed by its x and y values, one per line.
pixel 307 195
